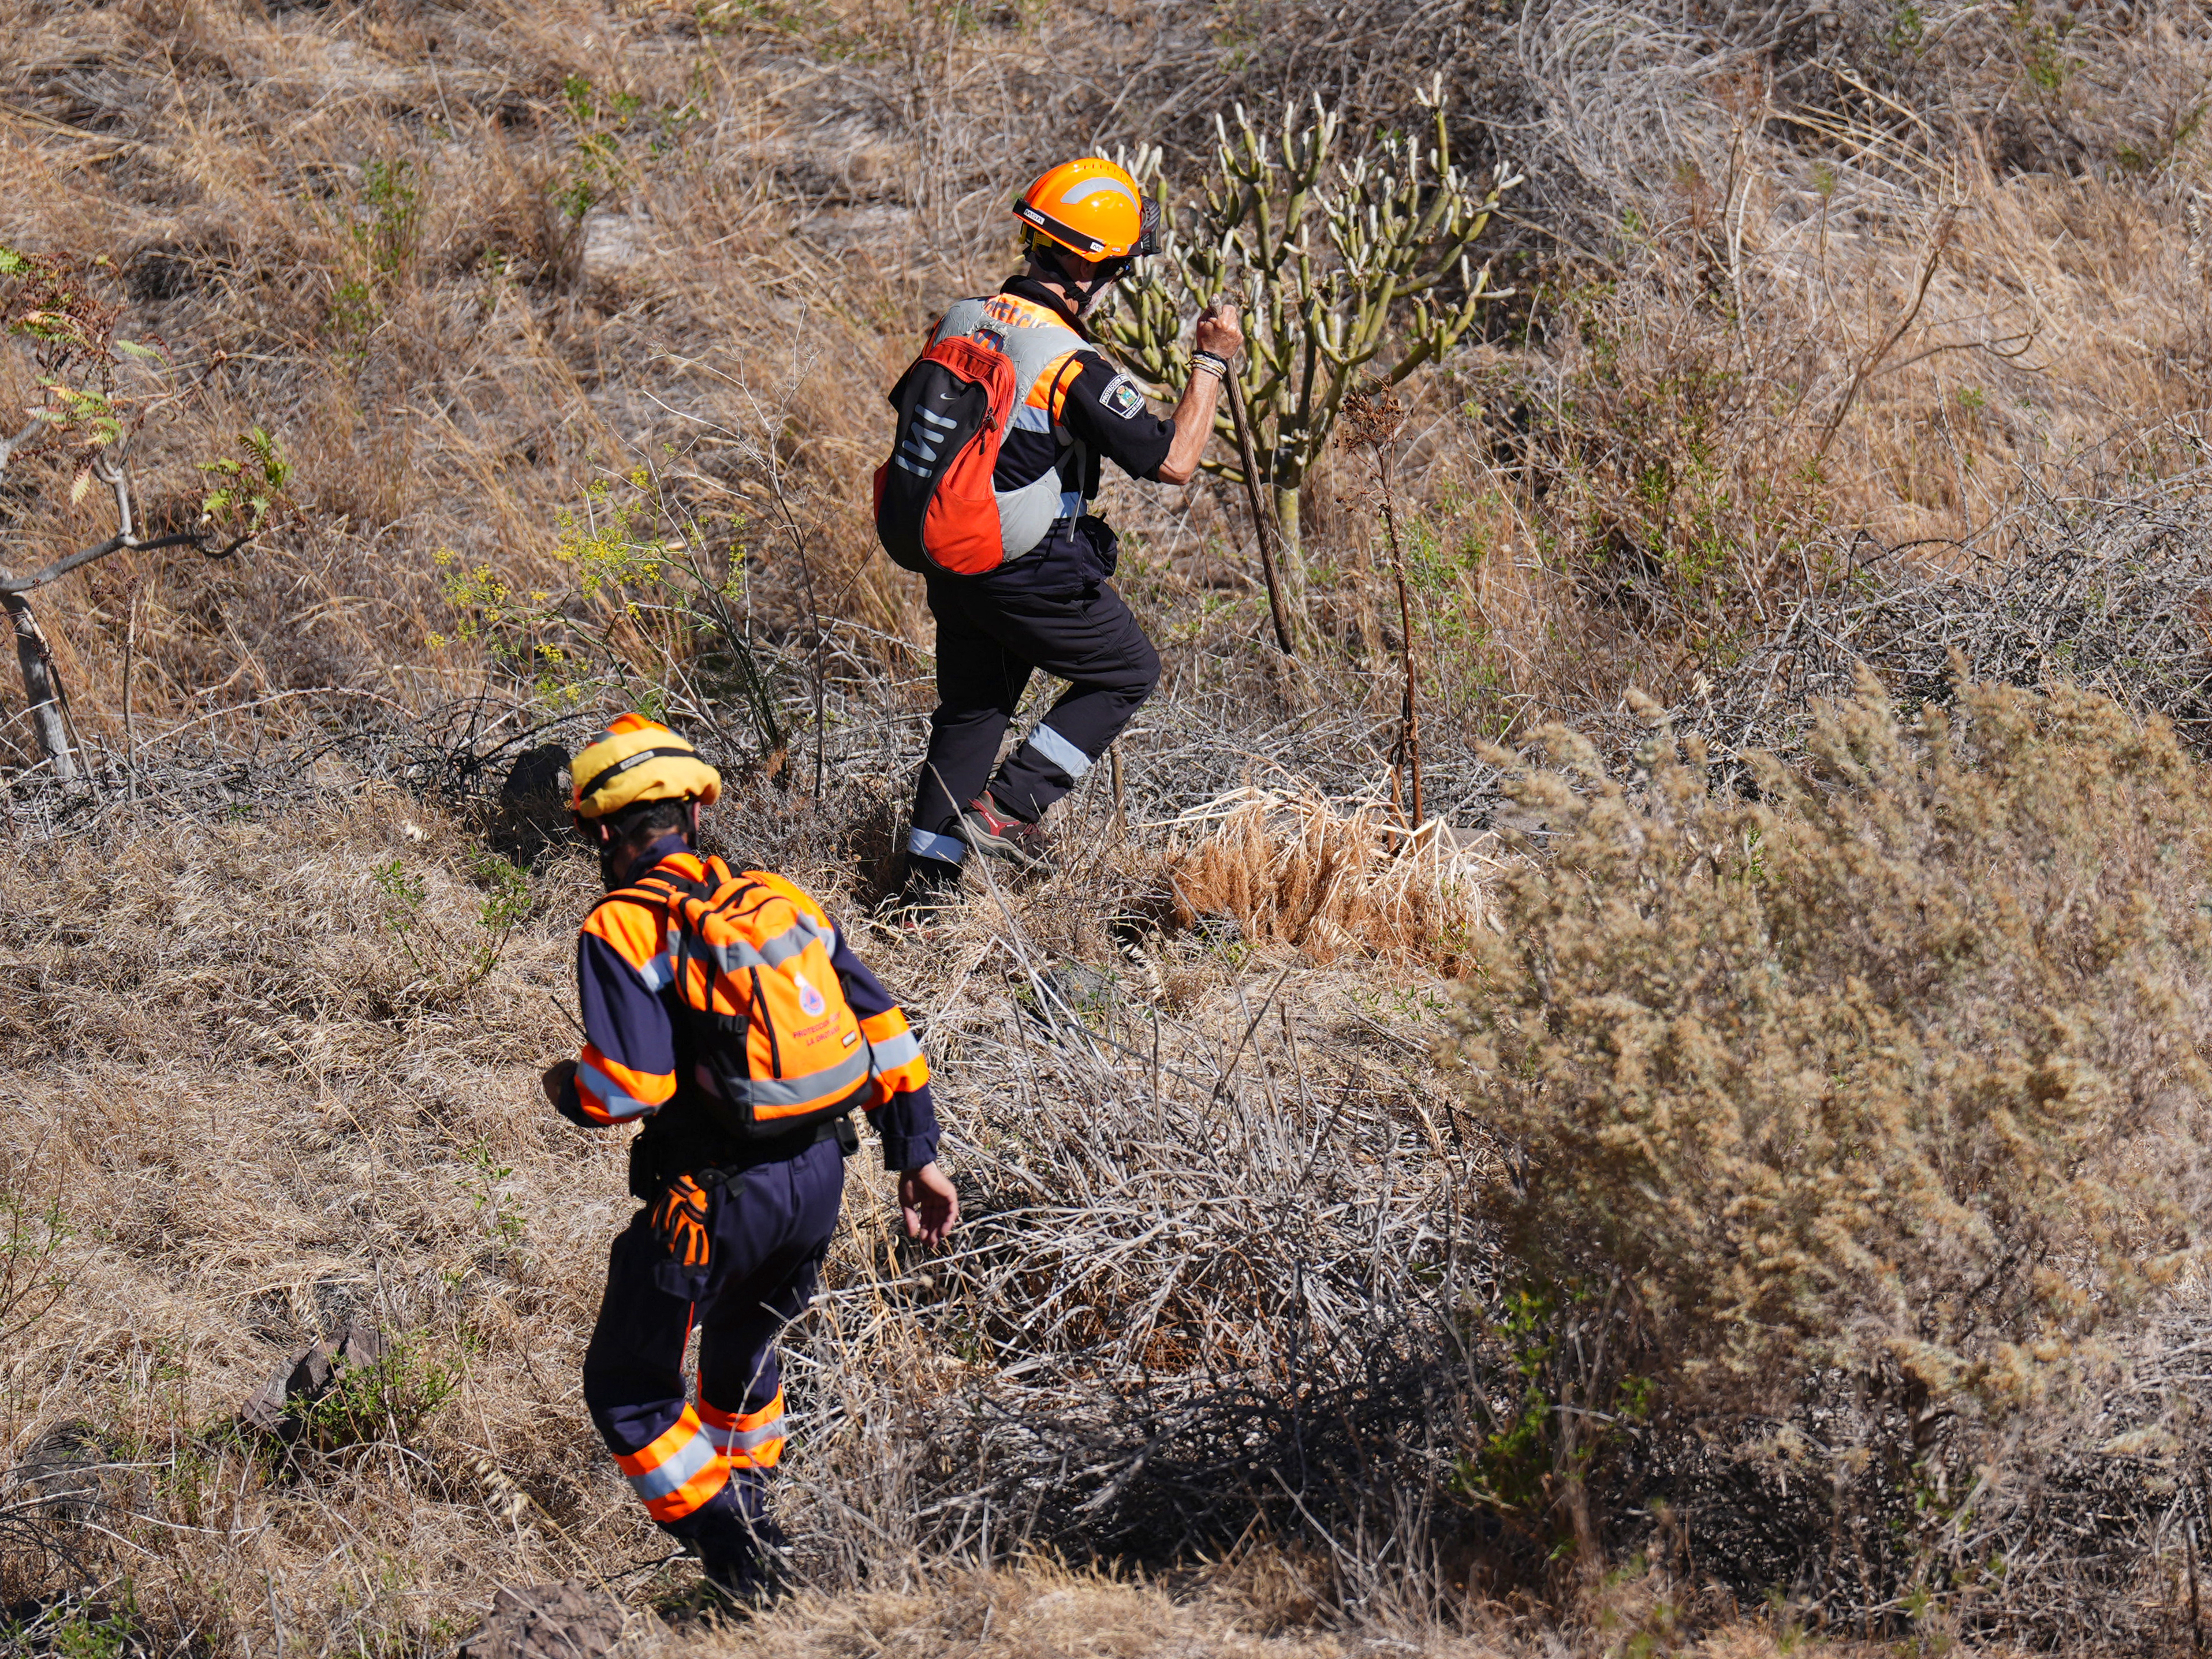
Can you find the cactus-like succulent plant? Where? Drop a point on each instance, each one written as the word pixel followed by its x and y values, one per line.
pixel 1340 263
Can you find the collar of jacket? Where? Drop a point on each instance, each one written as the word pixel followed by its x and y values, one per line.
pixel 1027 287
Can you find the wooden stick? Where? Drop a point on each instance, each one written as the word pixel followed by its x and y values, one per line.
pixel 1409 738
pixel 1261 525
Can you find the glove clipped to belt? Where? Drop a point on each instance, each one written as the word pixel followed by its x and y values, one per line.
pixel 679 1222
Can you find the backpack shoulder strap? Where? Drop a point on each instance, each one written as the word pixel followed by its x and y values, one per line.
pixel 959 319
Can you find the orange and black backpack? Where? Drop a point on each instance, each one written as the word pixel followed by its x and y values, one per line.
pixel 990 365
pixel 750 958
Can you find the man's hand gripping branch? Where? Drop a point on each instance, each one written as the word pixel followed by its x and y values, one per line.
pixel 1216 340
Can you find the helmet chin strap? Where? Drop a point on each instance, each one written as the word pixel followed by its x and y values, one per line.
pixel 1082 290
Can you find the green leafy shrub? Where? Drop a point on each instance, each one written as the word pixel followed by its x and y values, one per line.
pixel 1876 1101
pixel 384 1402
pixel 656 613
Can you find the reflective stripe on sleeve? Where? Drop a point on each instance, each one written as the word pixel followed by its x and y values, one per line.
pixel 895 1054
pixel 615 1101
pixel 679 1472
pixel 895 1051
pixel 1061 376
pixel 1061 753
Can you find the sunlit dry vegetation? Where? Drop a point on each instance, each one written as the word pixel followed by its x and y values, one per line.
pixel 1723 1176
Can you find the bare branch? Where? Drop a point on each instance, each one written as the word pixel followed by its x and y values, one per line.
pixel 111 471
pixel 62 567
pixel 42 692
pixel 22 440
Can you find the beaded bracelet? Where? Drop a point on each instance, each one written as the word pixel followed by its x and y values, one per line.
pixel 1207 362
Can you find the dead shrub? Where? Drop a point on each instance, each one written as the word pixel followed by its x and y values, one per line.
pixel 1859 1124
pixel 1301 871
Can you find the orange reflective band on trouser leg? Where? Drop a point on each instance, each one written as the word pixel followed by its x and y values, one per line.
pixel 679 1472
pixel 751 1439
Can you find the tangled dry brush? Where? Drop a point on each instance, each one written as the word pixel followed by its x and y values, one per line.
pixel 1732 1178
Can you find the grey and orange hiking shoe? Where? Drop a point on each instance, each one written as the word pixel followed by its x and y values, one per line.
pixel 988 829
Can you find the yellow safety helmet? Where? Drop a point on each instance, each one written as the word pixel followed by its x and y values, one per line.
pixel 635 759
pixel 1093 208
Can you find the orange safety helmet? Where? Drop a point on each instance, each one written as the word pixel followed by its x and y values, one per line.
pixel 636 758
pixel 1091 207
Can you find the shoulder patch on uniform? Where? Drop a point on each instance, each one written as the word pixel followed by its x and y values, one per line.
pixel 1123 397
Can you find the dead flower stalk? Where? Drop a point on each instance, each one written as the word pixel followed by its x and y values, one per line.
pixel 1373 418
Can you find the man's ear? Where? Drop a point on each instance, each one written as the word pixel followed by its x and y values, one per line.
pixel 691 820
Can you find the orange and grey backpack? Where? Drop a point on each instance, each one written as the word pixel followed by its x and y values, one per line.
pixel 991 365
pixel 775 1036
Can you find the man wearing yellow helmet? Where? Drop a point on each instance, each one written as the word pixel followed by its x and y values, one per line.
pixel 1049 608
pixel 725 1012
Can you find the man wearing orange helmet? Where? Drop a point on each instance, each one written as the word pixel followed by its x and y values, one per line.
pixel 1049 608
pixel 727 1014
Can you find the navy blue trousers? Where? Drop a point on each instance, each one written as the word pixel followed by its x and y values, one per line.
pixel 990 641
pixel 701 1472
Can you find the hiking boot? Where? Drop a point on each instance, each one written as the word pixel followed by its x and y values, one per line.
pixel 744 1584
pixel 931 889
pixel 754 1576
pixel 988 829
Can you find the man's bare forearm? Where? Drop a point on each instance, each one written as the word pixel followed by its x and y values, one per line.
pixel 1216 342
pixel 1194 425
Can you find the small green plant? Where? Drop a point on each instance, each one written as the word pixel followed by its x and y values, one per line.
pixel 502 1221
pixel 382 234
pixel 2044 60
pixel 602 120
pixel 454 962
pixel 1907 31
pixel 385 1401
pixel 647 611
pixel 388 234
pixel 107 1629
pixel 32 1234
pixel 248 486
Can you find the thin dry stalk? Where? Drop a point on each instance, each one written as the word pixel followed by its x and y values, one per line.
pixel 1373 418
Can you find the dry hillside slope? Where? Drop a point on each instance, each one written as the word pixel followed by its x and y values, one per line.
pixel 1725 1183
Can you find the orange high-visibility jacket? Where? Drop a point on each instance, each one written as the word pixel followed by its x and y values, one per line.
pixel 627 1070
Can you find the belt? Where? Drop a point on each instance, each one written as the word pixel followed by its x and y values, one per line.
pixel 646 1180
pixel 838 1128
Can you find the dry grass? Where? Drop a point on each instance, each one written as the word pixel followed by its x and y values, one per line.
pixel 277 1120
pixel 1329 881
pixel 1224 1260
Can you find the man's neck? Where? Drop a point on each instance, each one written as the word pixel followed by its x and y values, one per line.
pixel 633 865
pixel 1055 285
